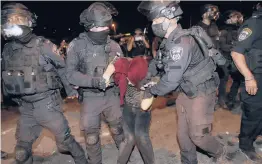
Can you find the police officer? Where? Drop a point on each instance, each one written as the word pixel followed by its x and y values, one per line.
pixel 30 70
pixel 87 58
pixel 247 55
pixel 182 59
pixel 232 19
pixel 210 14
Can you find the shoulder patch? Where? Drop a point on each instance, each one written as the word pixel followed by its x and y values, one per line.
pixel 244 34
pixel 176 53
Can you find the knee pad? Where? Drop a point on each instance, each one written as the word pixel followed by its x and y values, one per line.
pixel 22 154
pixel 92 139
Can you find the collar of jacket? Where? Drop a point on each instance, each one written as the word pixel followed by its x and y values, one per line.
pixel 17 45
pixel 85 36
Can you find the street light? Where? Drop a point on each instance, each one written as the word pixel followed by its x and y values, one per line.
pixel 114 27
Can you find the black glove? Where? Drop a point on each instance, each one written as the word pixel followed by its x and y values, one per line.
pixel 147 94
pixel 99 82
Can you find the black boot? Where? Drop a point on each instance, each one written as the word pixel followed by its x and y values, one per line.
pixel 75 150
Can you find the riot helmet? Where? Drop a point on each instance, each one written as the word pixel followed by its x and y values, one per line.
pixel 160 11
pixel 17 21
pixel 98 14
pixel 212 11
pixel 157 9
pixel 17 13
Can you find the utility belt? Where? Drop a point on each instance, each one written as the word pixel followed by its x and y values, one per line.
pixel 207 87
pixel 28 81
pixel 84 92
pixel 36 98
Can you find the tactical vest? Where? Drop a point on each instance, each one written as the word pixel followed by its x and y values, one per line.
pixel 254 56
pixel 203 76
pixel 94 60
pixel 23 75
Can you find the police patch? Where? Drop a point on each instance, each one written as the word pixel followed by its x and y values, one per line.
pixel 245 33
pixel 176 53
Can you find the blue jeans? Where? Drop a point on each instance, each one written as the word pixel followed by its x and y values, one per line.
pixel 136 129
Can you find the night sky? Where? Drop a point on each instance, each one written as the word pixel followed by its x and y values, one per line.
pixel 61 16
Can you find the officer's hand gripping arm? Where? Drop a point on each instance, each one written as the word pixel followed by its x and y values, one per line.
pixel 174 71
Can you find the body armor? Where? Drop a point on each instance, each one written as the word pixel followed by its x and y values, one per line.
pixel 201 76
pixel 23 74
pixel 94 60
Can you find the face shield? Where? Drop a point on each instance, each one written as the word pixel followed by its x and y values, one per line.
pixel 16 18
pixel 156 9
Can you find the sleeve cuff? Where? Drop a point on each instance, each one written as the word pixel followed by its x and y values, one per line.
pixel 240 50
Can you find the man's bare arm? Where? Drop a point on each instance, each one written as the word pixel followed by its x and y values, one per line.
pixel 240 62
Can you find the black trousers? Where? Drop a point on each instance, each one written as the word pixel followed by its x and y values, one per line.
pixel 45 113
pixel 251 122
pixel 136 128
pixel 91 111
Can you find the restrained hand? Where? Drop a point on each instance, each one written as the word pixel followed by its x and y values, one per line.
pixel 147 94
pixel 73 95
pixel 251 86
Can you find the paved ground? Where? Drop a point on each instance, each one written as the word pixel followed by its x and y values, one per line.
pixel 163 135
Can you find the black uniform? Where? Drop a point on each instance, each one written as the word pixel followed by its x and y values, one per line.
pixel 86 62
pixel 30 73
pixel 227 40
pixel 213 32
pixel 249 44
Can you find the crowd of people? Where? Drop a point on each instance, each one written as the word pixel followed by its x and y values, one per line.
pixel 119 80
